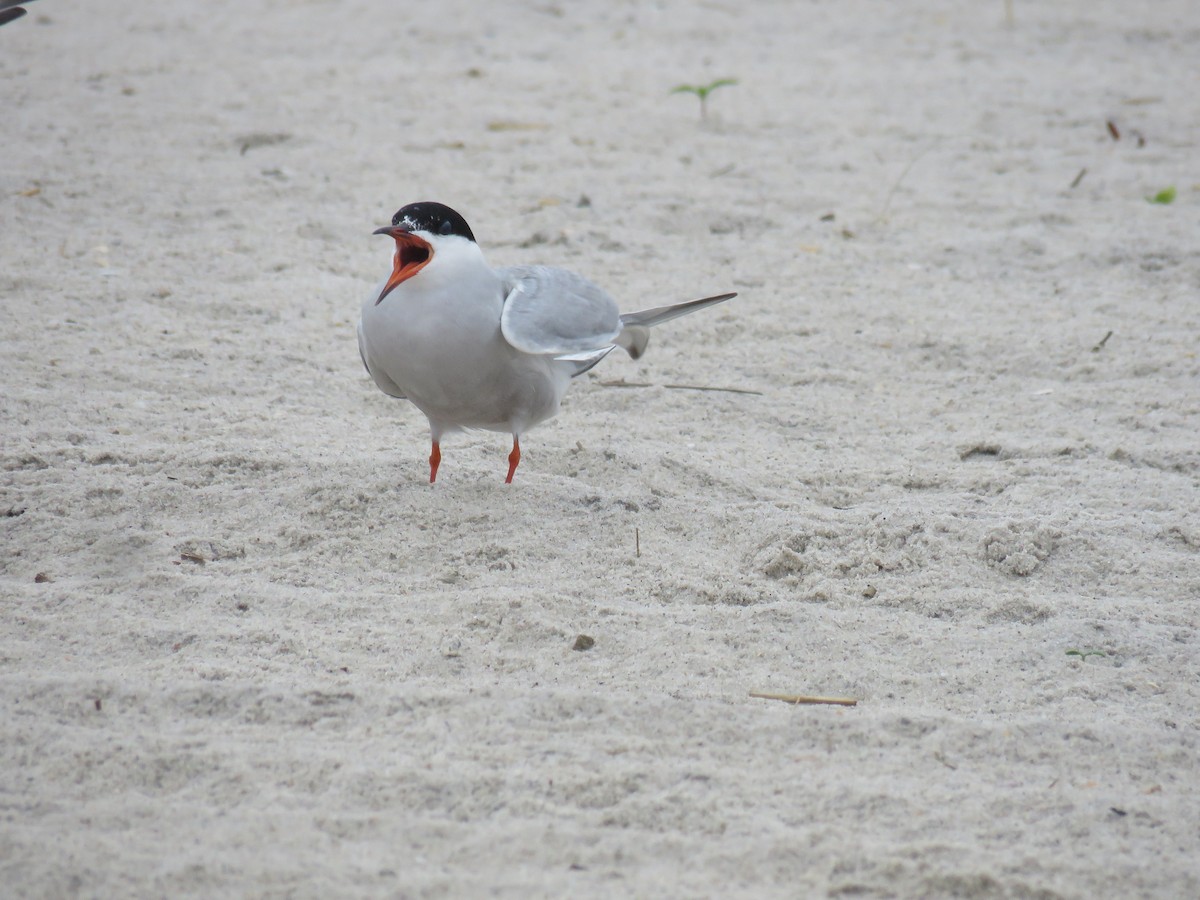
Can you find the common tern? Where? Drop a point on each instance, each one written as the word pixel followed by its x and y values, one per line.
pixel 477 347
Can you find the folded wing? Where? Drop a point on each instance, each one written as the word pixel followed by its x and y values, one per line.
pixel 554 312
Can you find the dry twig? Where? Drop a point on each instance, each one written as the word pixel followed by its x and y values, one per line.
pixel 801 698
pixel 622 383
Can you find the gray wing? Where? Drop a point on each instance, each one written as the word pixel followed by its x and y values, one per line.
pixel 554 312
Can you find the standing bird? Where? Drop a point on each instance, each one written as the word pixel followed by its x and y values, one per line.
pixel 477 347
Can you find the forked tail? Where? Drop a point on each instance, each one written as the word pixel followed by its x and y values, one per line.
pixel 635 330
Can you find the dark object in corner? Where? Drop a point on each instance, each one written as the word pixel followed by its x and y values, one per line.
pixel 11 9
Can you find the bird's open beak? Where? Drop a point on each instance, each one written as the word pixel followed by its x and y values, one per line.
pixel 412 255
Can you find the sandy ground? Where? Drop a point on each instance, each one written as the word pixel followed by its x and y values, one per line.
pixel 247 650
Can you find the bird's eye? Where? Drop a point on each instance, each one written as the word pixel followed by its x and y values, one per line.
pixel 447 227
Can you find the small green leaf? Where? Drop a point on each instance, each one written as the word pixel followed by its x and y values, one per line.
pixel 1084 654
pixel 1165 196
pixel 702 91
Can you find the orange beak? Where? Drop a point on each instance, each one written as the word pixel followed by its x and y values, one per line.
pixel 412 255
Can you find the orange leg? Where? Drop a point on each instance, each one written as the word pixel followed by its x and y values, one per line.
pixel 513 459
pixel 435 460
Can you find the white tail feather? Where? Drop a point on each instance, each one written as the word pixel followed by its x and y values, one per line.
pixel 636 331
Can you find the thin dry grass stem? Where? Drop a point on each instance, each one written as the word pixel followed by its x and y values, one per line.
pixel 887 203
pixel 801 698
pixel 622 383
pixel 701 387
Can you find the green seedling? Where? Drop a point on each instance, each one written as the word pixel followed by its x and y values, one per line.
pixel 1084 654
pixel 702 91
pixel 1165 196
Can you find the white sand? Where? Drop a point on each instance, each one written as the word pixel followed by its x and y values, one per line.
pixel 267 658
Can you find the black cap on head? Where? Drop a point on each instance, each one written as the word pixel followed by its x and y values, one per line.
pixel 436 218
